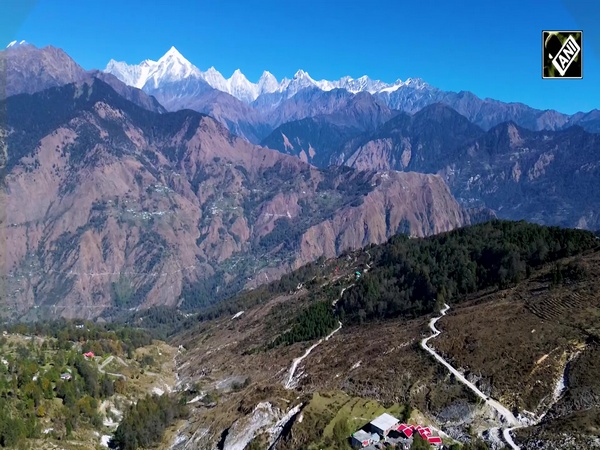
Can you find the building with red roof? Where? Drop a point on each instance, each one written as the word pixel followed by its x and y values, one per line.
pixel 407 430
pixel 434 440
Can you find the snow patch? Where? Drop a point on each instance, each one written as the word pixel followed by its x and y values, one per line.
pixel 178 440
pixel 16 44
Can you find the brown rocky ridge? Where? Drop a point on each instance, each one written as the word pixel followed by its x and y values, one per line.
pixel 108 205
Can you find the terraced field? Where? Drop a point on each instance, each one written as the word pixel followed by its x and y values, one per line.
pixel 557 306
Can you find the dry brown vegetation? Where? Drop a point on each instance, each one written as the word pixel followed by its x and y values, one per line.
pixel 518 342
pixel 514 343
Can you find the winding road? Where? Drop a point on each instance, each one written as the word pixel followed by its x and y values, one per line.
pixel 505 415
pixel 290 381
pixel 106 362
pixel 297 361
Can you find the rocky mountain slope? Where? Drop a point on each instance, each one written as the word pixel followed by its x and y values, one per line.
pixel 27 69
pixel 109 205
pixel 313 139
pixel 551 173
pixel 543 176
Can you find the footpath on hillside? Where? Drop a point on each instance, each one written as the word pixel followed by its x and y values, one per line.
pixel 506 417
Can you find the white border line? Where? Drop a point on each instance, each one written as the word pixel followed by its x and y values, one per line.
pixel 580 52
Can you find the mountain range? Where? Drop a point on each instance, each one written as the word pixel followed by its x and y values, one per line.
pixel 27 69
pixel 543 176
pixel 241 220
pixel 176 83
pixel 110 205
pixel 173 66
pixel 144 186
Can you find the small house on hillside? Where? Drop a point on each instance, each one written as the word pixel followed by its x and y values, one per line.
pixel 65 376
pixel 362 439
pixel 383 424
pixel 89 355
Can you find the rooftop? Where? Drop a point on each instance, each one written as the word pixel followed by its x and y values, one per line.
pixel 362 435
pixel 384 421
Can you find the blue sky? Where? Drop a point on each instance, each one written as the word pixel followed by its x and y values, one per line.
pixel 492 48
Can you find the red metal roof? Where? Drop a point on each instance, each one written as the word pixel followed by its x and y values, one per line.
pixel 434 440
pixel 408 432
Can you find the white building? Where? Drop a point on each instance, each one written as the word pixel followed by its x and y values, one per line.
pixel 362 439
pixel 383 424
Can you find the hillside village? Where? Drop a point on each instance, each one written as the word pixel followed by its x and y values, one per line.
pixel 70 385
pixel 386 431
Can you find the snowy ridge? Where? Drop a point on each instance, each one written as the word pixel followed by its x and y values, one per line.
pixel 16 44
pixel 173 67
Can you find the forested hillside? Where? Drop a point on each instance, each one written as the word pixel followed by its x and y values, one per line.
pixel 412 277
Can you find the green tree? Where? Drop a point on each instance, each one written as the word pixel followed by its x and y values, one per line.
pixel 419 443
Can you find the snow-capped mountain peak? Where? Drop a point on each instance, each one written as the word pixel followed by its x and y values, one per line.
pixel 239 86
pixel 214 78
pixel 147 63
pixel 238 78
pixel 300 81
pixel 174 67
pixel 173 53
pixel 267 83
pixel 301 74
